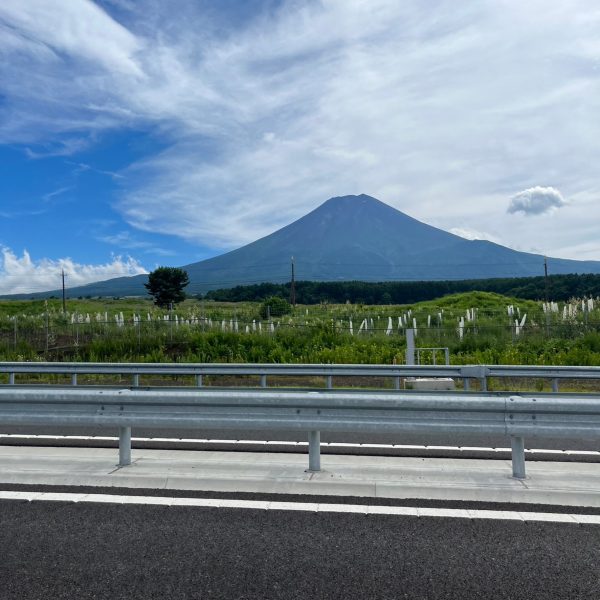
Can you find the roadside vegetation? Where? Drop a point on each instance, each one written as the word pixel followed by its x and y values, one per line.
pixel 476 327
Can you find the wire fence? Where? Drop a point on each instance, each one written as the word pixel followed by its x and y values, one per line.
pixel 47 334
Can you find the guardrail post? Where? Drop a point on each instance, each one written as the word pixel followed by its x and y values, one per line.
pixel 410 346
pixel 136 380
pixel 11 379
pixel 483 383
pixel 329 380
pixel 263 381
pixel 199 380
pixel 314 451
pixel 466 384
pixel 518 456
pixel 74 379
pixel 555 385
pixel 124 446
pixel 396 383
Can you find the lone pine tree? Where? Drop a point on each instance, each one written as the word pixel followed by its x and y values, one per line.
pixel 166 285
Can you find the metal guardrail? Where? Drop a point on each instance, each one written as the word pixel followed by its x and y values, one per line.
pixel 515 416
pixel 396 372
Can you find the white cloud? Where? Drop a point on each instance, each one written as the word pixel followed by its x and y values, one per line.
pixel 472 234
pixel 78 28
pixel 438 108
pixel 50 195
pixel 83 167
pixel 124 239
pixel 536 201
pixel 20 275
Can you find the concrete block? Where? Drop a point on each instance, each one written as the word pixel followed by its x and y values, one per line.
pixel 430 384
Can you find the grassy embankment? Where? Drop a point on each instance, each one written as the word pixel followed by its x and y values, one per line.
pixel 206 332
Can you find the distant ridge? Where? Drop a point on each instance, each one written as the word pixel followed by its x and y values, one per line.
pixel 351 238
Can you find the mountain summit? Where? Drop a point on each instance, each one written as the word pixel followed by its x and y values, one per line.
pixel 354 238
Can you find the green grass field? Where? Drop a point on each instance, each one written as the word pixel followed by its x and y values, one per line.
pixel 475 326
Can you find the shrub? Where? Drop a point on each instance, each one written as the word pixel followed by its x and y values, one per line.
pixel 274 307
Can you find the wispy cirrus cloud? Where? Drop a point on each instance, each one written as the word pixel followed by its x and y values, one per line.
pixel 17 214
pixel 80 30
pixel 61 147
pixel 54 193
pixel 267 117
pixel 85 168
pixel 124 239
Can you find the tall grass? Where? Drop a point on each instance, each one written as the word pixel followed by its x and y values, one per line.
pixel 205 332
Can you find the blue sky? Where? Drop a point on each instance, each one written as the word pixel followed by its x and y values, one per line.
pixel 137 134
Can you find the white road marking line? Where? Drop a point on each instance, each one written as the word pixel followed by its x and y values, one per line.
pixel 290 443
pixel 452 513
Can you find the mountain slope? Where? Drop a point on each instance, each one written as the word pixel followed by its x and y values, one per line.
pixel 354 238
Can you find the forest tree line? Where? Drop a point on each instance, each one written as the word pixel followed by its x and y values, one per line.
pixel 560 288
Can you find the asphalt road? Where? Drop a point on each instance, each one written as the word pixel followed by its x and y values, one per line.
pixel 64 550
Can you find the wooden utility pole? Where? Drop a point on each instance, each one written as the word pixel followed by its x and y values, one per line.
pixel 64 303
pixel 546 278
pixel 546 294
pixel 293 286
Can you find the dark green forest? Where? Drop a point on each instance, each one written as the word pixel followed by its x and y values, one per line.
pixel 560 288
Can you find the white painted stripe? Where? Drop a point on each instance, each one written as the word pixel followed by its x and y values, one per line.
pixel 290 443
pixel 364 509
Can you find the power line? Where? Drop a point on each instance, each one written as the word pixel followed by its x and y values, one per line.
pixel 305 265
